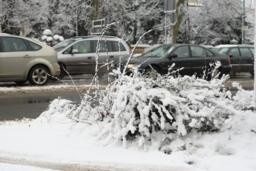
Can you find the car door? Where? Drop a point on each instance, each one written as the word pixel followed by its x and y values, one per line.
pixel 182 59
pixel 119 54
pixel 198 60
pixel 14 58
pixel 246 59
pixel 79 58
pixel 103 53
pixel 235 58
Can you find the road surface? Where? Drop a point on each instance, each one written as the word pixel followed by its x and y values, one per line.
pixel 29 102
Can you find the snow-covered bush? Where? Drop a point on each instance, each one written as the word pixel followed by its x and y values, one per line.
pixel 142 106
pixel 51 39
pixel 136 109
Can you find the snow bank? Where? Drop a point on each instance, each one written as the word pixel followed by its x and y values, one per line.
pixel 198 123
pixel 12 167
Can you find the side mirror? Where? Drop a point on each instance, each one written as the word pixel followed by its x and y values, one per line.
pixel 173 55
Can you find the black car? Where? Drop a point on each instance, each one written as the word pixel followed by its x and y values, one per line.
pixel 241 56
pixel 191 58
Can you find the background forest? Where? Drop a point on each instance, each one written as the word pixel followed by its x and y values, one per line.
pixel 205 21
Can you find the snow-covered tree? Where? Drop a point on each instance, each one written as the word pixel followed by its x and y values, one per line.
pixel 133 18
pixel 216 21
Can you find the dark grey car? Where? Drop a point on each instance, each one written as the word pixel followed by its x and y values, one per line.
pixel 242 57
pixel 191 58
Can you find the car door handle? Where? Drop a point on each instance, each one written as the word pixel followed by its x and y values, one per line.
pixel 111 57
pixel 26 56
pixel 89 57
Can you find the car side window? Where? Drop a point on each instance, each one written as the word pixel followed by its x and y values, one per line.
pixel 182 52
pixel 116 46
pixel 197 51
pixel 252 50
pixel 99 46
pixel 245 52
pixel 234 52
pixel 12 44
pixel 81 47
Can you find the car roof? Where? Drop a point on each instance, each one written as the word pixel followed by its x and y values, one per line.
pixel 93 37
pixel 5 34
pixel 231 45
pixel 27 38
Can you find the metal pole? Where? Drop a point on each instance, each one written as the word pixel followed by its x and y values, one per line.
pixel 243 23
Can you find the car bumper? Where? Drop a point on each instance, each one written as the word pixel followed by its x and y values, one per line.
pixel 56 70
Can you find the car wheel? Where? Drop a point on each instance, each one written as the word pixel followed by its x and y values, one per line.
pixel 38 75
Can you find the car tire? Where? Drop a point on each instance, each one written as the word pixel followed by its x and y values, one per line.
pixel 38 75
pixel 62 71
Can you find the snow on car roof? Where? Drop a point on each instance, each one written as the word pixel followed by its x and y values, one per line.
pixel 5 34
pixel 232 45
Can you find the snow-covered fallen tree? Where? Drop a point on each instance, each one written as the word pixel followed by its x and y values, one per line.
pixel 147 110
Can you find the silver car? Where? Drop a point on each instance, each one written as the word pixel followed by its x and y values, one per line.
pixel 23 59
pixel 80 55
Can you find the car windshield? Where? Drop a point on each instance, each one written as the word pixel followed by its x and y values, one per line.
pixel 158 52
pixel 64 44
pixel 223 50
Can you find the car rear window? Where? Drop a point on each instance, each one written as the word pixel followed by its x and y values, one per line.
pixel 33 46
pixel 13 44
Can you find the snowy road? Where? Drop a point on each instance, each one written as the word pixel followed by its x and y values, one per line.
pixel 30 102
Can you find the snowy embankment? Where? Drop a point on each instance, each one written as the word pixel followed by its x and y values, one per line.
pixel 12 167
pixel 47 89
pixel 139 123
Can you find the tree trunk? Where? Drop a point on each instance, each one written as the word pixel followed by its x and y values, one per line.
pixel 95 5
pixel 179 16
pixel 255 57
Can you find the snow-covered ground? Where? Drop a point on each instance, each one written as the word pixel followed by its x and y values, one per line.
pixel 13 167
pixel 211 130
pixel 63 141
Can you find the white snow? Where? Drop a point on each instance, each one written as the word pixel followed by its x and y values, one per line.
pixel 68 133
pixel 12 167
pixel 54 137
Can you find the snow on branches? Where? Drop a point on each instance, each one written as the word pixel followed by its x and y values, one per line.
pixel 137 109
